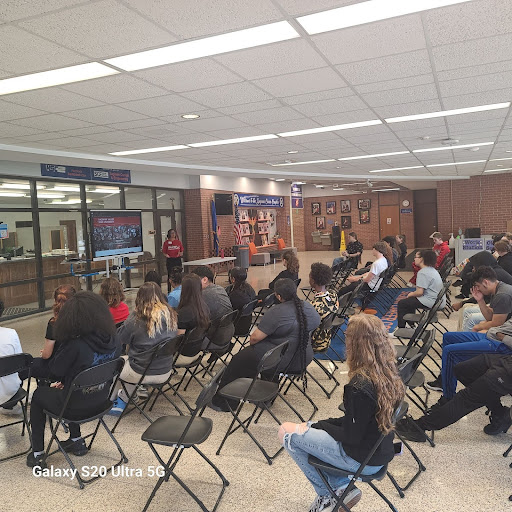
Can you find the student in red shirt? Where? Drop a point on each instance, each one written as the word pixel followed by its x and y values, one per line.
pixel 172 250
pixel 112 291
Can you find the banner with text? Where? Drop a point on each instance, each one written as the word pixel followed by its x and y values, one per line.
pixel 255 200
pixel 71 172
pixel 297 201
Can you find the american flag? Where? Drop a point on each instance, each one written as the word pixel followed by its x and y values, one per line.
pixel 237 228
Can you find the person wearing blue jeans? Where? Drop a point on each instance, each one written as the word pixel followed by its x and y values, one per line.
pixel 370 398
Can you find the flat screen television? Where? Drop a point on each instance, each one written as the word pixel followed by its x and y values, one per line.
pixel 224 204
pixel 115 233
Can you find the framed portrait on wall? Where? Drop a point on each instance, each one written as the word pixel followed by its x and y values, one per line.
pixel 320 223
pixel 364 204
pixel 316 209
pixel 331 207
pixel 346 222
pixel 364 216
pixel 345 205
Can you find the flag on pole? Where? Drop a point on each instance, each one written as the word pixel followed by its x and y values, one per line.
pixel 237 228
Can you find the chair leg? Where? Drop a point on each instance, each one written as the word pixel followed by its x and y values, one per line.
pixel 379 492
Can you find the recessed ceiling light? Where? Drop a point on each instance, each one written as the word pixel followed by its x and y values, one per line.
pixel 64 188
pixel 508 151
pixel 499 170
pixel 50 195
pixel 298 182
pixel 444 113
pixel 55 77
pixel 499 165
pixel 334 128
pixel 398 168
pixel 367 12
pixel 190 116
pixel 215 45
pixel 19 186
pixel 499 159
pixel 459 146
pixel 384 189
pixel 373 156
pixel 232 141
pixel 303 163
pixel 280 179
pixel 11 194
pixel 148 150
pixel 456 163
pixel 292 152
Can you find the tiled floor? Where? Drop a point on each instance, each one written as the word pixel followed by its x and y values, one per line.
pixel 465 471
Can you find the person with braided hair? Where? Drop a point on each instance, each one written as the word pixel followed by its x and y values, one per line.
pixel 291 320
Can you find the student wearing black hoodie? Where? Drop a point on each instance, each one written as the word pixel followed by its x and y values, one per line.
pixel 86 331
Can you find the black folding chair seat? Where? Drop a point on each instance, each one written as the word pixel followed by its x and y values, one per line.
pixel 415 318
pixel 18 397
pixel 168 430
pixel 324 466
pixel 262 391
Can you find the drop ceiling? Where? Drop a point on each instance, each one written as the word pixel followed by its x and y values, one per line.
pixel 447 58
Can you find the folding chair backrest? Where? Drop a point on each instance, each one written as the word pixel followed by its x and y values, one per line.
pixel 326 322
pixel 226 319
pixel 15 363
pixel 194 339
pixel 249 308
pixel 270 300
pixel 169 346
pixel 297 282
pixel 408 368
pixel 272 357
pixel 208 392
pixel 97 375
pixel 400 412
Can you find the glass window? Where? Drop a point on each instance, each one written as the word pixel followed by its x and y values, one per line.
pixel 14 193
pixel 19 244
pixel 101 197
pixel 138 198
pixel 168 199
pixel 19 299
pixel 58 195
pixel 51 284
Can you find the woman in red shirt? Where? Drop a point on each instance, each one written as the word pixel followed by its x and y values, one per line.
pixel 172 250
pixel 112 291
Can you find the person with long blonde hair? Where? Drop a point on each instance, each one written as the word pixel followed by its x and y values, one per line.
pixel 372 394
pixel 151 322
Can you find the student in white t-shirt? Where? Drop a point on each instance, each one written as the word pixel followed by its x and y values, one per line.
pixel 372 278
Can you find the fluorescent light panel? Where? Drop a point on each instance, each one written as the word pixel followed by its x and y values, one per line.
pixel 444 113
pixel 215 45
pixel 373 156
pixel 303 163
pixel 11 194
pixel 335 128
pixel 385 189
pixel 493 159
pixel 280 179
pixel 457 163
pixel 398 168
pixel 499 170
pixel 367 12
pixel 459 146
pixel 148 150
pixel 55 77
pixel 232 141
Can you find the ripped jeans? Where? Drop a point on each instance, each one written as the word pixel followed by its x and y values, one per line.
pixel 321 445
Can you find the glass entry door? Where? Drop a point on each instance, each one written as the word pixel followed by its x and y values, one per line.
pixel 169 219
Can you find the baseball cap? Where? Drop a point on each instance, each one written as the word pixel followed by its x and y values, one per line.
pixel 436 234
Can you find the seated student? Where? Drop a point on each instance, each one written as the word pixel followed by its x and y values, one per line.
pixel 175 278
pixel 400 241
pixel 391 240
pixel 371 279
pixel 458 346
pixel 151 322
pixel 352 253
pixel 291 320
pixel 370 398
pixel 112 291
pixel 486 378
pixel 9 385
pixel 428 286
pixel 240 292
pixel 440 248
pixel 219 305
pixel 192 312
pixel 40 367
pixel 86 332
pixel 503 249
pixel 324 302
pixel 153 277
pixel 291 264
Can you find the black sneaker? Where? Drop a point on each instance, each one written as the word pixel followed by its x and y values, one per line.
pixel 436 384
pixel 77 447
pixel 460 296
pixel 443 400
pixel 409 431
pixel 457 283
pixel 498 422
pixel 32 461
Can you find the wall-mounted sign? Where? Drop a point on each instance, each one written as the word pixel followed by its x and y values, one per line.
pixel 71 172
pixel 255 200
pixel 4 232
pixel 489 244
pixel 472 244
pixel 405 210
pixel 296 192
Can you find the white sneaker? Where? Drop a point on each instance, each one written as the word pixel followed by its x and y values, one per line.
pixel 15 411
pixel 392 334
pixel 321 504
pixel 351 499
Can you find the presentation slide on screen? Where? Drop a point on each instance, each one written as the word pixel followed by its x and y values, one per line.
pixel 116 233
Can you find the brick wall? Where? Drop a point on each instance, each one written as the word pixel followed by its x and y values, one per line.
pixel 283 227
pixel 481 201
pixel 299 238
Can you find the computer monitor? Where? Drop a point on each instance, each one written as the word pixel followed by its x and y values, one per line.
pixel 17 251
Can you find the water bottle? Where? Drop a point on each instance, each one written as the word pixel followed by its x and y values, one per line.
pixel 222 253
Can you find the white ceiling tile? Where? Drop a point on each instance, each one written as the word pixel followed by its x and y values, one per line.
pixel 478 84
pixel 389 85
pixel 11 130
pixel 302 7
pixel 113 137
pixel 226 95
pixel 474 52
pixel 104 114
pixel 271 115
pixel 189 123
pixel 42 136
pixel 406 109
pixel 353 116
pixel 162 131
pixel 301 83
pixel 339 92
pixel 11 10
pixel 52 123
pixel 25 53
pixel 387 68
pixel 469 20
pixel 127 125
pixel 246 131
pixel 472 71
pixel 163 106
pixel 100 29
pixel 480 98
pixel 198 18
pixel 216 123
pixel 370 41
pixel 272 60
pixel 69 142
pixel 288 126
pixel 405 95
pixel 9 111
pixel 52 99
pixel 90 130
pixel 332 106
pixel 116 89
pixel 251 107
